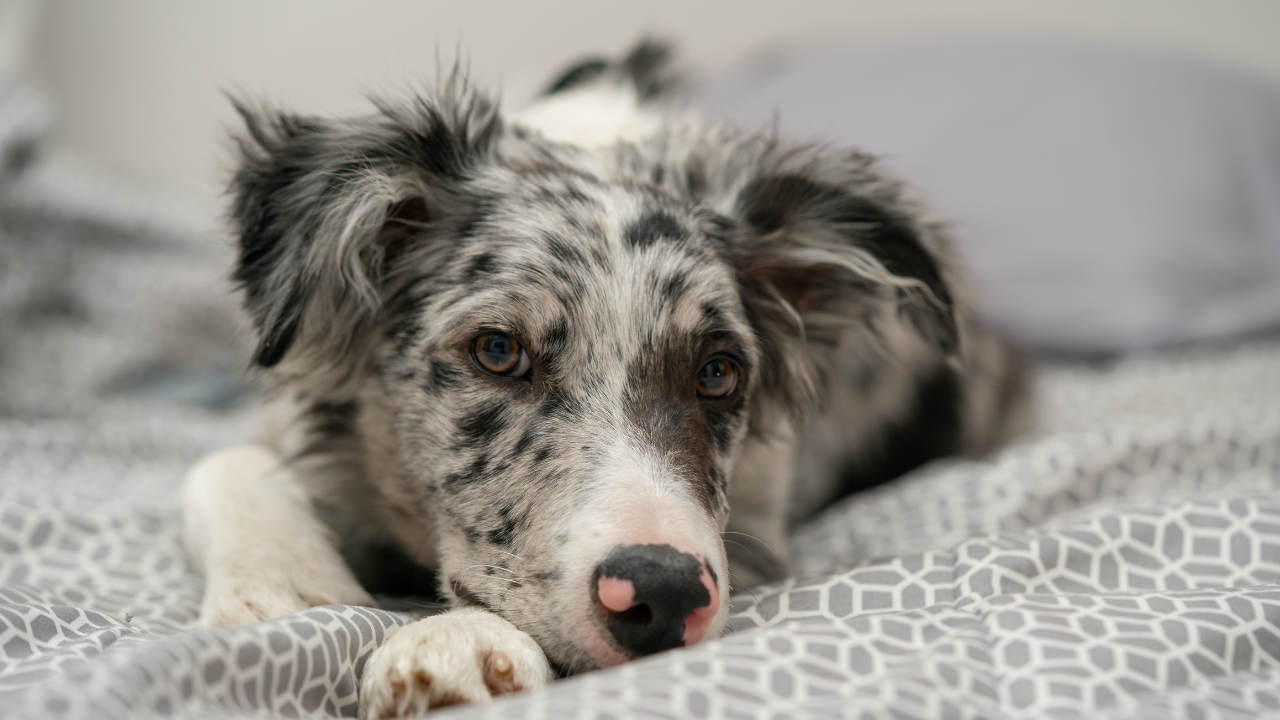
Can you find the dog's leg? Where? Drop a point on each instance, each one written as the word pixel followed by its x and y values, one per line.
pixel 756 537
pixel 249 528
pixel 464 656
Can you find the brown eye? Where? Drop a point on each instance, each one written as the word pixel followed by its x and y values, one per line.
pixel 500 354
pixel 717 378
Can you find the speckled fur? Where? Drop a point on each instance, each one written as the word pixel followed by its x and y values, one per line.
pixel 375 249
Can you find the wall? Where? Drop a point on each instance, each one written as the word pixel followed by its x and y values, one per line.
pixel 139 83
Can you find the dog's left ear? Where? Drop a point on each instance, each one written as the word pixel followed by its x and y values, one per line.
pixel 834 244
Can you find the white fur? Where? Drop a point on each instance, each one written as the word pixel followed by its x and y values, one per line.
pixel 592 116
pixel 249 528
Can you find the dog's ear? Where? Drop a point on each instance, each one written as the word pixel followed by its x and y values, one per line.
pixel 324 208
pixel 832 245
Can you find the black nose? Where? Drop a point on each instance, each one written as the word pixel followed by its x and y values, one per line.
pixel 648 592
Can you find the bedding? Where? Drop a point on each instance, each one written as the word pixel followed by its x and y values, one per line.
pixel 1122 562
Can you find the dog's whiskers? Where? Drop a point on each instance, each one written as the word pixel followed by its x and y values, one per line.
pixel 504 552
pixel 753 537
pixel 495 567
pixel 743 588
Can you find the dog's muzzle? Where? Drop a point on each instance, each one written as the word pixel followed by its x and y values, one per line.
pixel 655 597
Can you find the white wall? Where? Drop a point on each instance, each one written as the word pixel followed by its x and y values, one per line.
pixel 139 83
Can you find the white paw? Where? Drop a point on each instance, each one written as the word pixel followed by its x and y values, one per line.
pixel 243 593
pixel 465 656
pixel 251 530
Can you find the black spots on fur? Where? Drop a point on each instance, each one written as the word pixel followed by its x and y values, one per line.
pixel 277 337
pixel 723 423
pixel 548 576
pixel 931 430
pixel 553 345
pixel 527 438
pixel 556 337
pixel 295 177
pixel 574 194
pixel 477 219
pixel 601 258
pixel 405 330
pixel 404 313
pixel 777 203
pixel 712 317
pixel 720 231
pixel 474 472
pixel 329 418
pixel 480 428
pixel 509 522
pixel 275 164
pixel 773 202
pixel 439 378
pixel 716 481
pixel 543 454
pixel 558 406
pixel 502 535
pixel 673 287
pixel 653 227
pixel 564 252
pixel 329 426
pixel 480 268
pixel 442 140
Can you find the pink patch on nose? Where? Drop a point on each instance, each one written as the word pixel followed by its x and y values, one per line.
pixel 616 594
pixel 695 626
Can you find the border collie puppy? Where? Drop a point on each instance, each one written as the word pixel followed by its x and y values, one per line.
pixel 545 363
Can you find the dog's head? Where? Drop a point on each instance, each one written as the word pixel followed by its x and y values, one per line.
pixel 568 347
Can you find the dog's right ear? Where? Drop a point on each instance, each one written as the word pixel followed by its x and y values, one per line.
pixel 324 208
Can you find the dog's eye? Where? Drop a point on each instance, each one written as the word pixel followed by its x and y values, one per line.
pixel 500 354
pixel 717 378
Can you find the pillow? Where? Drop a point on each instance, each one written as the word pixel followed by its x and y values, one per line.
pixel 1109 200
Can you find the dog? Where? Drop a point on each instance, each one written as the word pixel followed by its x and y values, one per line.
pixel 550 364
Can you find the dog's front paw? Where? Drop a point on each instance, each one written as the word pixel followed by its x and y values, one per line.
pixel 465 656
pixel 240 595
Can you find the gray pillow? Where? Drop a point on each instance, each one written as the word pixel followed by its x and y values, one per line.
pixel 1109 200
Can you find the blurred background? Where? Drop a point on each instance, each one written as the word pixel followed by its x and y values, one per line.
pixel 1110 168
pixel 140 83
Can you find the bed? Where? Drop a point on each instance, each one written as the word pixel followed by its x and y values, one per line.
pixel 1121 561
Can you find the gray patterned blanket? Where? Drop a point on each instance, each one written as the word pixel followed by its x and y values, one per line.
pixel 1125 562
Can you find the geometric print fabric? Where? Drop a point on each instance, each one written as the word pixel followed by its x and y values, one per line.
pixel 1153 611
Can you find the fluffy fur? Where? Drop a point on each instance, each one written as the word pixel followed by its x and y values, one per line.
pixel 623 249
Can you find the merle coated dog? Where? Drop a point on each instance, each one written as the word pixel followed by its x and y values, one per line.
pixel 557 358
